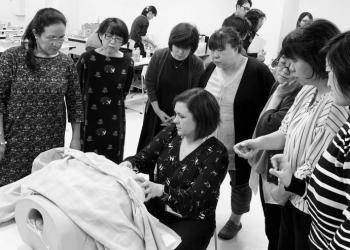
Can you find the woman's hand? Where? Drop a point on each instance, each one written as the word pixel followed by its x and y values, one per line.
pixel 281 169
pixel 151 189
pixel 245 149
pixel 75 144
pixel 126 164
pixel 2 151
pixel 284 89
pixel 163 116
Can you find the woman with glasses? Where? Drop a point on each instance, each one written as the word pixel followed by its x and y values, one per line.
pixel 306 130
pixel 105 76
pixel 38 83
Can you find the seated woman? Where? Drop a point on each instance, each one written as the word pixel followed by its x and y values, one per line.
pixel 189 167
pixel 328 189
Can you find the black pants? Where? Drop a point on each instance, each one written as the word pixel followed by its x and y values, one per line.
pixel 142 48
pixel 195 234
pixel 294 229
pixel 272 213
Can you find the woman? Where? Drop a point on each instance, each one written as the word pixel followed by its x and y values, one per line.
pixel 304 18
pixel 308 127
pixel 171 71
pixel 37 84
pixel 242 86
pixel 189 167
pixel 328 188
pixel 105 76
pixel 139 29
pixel 283 94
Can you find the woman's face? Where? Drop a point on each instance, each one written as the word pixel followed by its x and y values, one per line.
pixel 185 124
pixel 224 58
pixel 150 15
pixel 283 74
pixel 305 21
pixel 180 54
pixel 302 71
pixel 50 41
pixel 338 96
pixel 111 43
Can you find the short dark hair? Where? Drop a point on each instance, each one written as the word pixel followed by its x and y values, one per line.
pixel 301 17
pixel 114 26
pixel 184 35
pixel 241 2
pixel 204 108
pixel 254 15
pixel 241 25
pixel 149 8
pixel 223 36
pixel 306 43
pixel 42 19
pixel 338 56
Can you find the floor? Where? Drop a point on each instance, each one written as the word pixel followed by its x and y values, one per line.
pixel 251 237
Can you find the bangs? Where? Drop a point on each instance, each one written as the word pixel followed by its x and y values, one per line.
pixel 118 29
pixel 291 45
pixel 218 41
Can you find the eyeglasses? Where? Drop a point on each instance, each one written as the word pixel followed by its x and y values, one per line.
pixel 245 8
pixel 118 39
pixel 55 39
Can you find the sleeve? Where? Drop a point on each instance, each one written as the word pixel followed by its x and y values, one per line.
pixel 188 201
pixel 341 239
pixel 267 80
pixel 151 77
pixel 144 27
pixel 271 120
pixel 148 156
pixel 129 78
pixel 322 137
pixel 73 96
pixel 297 186
pixel 198 71
pixel 7 71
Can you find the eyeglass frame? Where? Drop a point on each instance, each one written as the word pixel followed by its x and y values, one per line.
pixel 116 38
pixel 56 39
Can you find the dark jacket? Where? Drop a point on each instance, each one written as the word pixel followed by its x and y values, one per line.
pixel 155 69
pixel 250 99
pixel 151 123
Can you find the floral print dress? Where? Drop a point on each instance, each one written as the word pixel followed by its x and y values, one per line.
pixel 34 104
pixel 105 82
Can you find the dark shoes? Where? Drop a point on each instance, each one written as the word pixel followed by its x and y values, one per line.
pixel 229 230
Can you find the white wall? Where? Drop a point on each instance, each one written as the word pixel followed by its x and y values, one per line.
pixel 207 15
pixel 337 11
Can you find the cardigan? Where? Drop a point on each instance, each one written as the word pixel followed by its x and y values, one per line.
pixel 250 99
pixel 155 69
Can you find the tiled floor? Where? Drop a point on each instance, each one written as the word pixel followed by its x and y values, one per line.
pixel 251 237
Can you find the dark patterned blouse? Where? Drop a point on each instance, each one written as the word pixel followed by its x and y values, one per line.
pixel 192 185
pixel 105 82
pixel 34 106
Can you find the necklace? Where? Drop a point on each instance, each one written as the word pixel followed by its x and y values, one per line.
pixel 178 65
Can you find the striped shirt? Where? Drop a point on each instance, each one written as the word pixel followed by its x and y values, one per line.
pixel 309 126
pixel 328 195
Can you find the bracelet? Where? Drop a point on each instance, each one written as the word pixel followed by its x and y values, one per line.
pixel 3 143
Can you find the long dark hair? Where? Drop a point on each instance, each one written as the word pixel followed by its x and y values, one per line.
pixel 43 18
